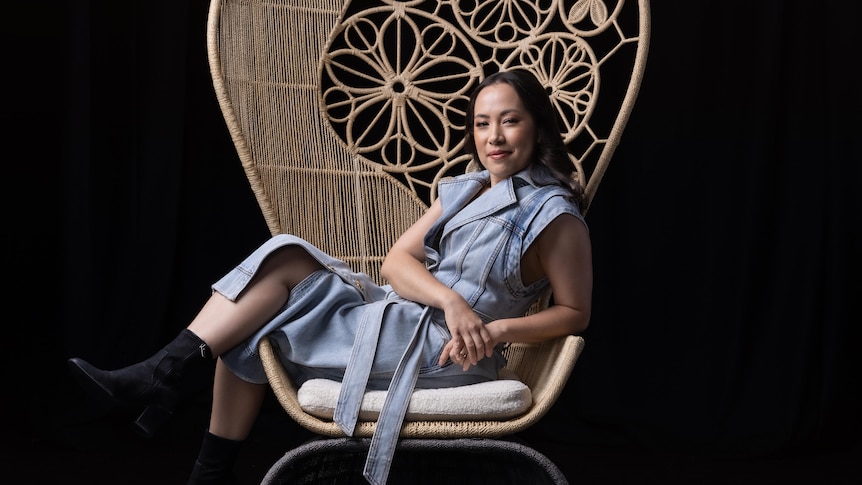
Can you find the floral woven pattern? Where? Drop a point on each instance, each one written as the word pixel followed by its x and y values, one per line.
pixel 396 76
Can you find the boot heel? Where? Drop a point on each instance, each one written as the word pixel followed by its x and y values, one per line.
pixel 151 420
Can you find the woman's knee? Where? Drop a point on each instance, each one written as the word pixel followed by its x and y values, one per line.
pixel 291 263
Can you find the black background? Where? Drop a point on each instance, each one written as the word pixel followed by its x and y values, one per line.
pixel 726 240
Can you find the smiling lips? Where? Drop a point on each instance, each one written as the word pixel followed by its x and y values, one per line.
pixel 498 154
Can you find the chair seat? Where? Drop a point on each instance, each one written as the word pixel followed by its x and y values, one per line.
pixel 504 398
pixel 544 368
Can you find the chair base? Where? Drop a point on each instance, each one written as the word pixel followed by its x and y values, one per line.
pixel 322 461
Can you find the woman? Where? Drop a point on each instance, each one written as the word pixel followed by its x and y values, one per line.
pixel 460 282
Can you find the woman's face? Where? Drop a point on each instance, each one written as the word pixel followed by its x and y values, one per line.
pixel 503 130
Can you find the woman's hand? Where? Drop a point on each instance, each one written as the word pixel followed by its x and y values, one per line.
pixel 471 341
pixel 404 268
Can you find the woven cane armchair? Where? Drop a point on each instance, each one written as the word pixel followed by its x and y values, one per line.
pixel 346 113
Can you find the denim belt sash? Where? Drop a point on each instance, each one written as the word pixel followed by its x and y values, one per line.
pixel 353 385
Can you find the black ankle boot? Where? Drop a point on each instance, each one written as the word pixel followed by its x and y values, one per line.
pixel 215 462
pixel 154 383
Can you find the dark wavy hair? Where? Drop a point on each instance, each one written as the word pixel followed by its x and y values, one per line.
pixel 551 165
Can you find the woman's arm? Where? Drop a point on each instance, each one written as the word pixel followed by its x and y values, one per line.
pixel 564 254
pixel 404 268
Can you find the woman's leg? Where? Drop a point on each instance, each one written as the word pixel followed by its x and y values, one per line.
pixel 223 324
pixel 236 404
pixel 220 325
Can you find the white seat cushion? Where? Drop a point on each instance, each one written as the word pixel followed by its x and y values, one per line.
pixel 501 399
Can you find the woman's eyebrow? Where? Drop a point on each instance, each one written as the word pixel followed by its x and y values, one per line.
pixel 502 113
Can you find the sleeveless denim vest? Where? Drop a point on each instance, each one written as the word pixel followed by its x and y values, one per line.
pixel 483 239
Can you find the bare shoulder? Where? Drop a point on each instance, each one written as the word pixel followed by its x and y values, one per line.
pixel 564 230
pixel 563 244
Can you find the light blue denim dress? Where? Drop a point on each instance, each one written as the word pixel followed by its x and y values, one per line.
pixel 339 324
